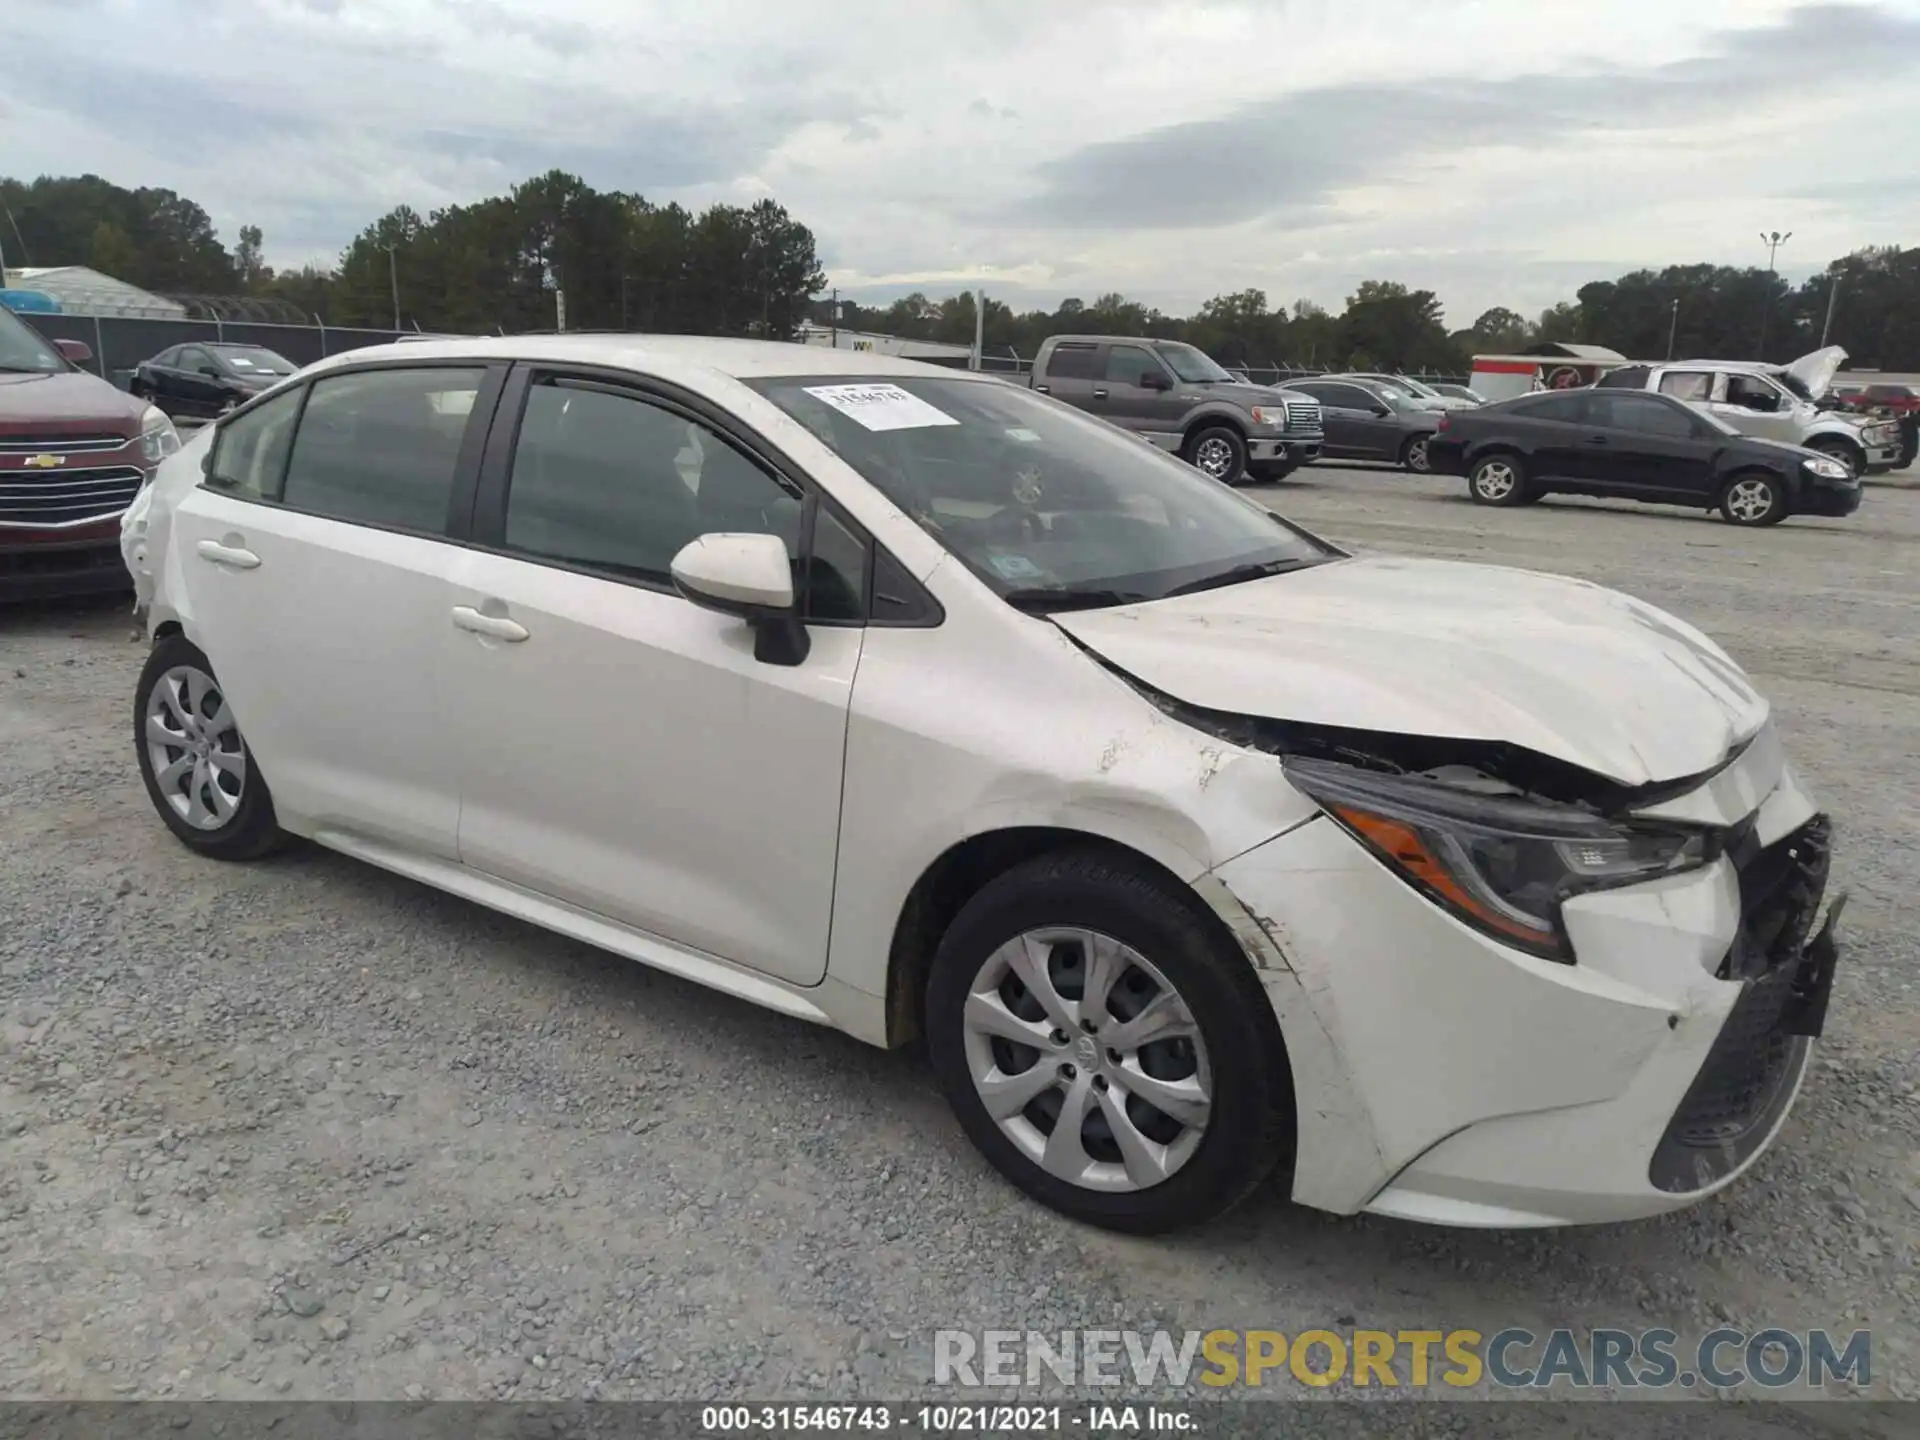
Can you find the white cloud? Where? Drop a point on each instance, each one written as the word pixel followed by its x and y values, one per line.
pixel 1497 151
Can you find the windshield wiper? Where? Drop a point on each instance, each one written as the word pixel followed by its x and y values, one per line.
pixel 1047 601
pixel 1239 573
pixel 25 370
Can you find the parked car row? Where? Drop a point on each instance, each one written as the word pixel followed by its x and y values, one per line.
pixel 1196 849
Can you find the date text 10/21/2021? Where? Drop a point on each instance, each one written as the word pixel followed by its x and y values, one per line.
pixel 958 1419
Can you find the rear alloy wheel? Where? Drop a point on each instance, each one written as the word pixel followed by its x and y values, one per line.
pixel 1414 455
pixel 1754 499
pixel 1498 480
pixel 1105 1048
pixel 197 768
pixel 1218 451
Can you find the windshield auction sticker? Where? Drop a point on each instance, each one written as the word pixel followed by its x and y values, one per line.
pixel 881 407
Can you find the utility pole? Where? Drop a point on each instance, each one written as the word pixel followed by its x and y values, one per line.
pixel 393 275
pixel 1833 294
pixel 1673 326
pixel 1773 240
pixel 833 317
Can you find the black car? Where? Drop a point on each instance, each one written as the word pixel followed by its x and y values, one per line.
pixel 207 378
pixel 1367 421
pixel 1637 445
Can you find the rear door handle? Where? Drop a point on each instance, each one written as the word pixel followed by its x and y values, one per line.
pixel 234 557
pixel 1598 440
pixel 497 627
pixel 1099 394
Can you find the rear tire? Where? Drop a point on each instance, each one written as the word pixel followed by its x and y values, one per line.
pixel 1498 479
pixel 1413 455
pixel 1218 1065
pixel 1754 498
pixel 199 774
pixel 1219 451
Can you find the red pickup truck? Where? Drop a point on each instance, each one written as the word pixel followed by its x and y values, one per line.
pixel 74 451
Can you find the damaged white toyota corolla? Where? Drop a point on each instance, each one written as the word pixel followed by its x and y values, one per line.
pixel 915 703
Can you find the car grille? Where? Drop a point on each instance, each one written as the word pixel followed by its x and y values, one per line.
pixel 1303 415
pixel 1749 1073
pixel 67 497
pixel 61 444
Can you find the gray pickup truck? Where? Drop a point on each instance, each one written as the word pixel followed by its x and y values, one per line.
pixel 1177 397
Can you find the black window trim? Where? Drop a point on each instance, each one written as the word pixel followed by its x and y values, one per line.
pixel 457 527
pixel 486 518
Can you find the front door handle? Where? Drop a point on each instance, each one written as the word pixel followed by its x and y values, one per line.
pixel 1099 394
pixel 1598 440
pixel 233 556
pixel 496 627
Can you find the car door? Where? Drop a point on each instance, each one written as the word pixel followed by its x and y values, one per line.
pixel 1647 446
pixel 1559 444
pixel 1153 410
pixel 200 392
pixel 316 555
pixel 1366 418
pixel 620 748
pixel 1072 374
pixel 167 387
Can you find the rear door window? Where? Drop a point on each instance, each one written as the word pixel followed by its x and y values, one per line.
pixel 381 447
pixel 1072 362
pixel 1695 385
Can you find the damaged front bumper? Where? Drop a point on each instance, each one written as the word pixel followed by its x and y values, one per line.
pixel 1447 1078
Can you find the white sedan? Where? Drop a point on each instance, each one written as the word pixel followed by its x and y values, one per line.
pixel 911 702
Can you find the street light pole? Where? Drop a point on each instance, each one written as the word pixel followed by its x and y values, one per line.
pixel 1673 326
pixel 393 275
pixel 1773 240
pixel 1833 294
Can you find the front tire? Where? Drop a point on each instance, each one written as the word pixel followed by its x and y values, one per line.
pixel 1754 498
pixel 1270 472
pixel 1106 1048
pixel 1219 451
pixel 199 774
pixel 1840 451
pixel 1498 480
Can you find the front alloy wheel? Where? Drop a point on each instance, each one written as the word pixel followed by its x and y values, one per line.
pixel 1105 1043
pixel 1753 500
pixel 1088 1059
pixel 1218 452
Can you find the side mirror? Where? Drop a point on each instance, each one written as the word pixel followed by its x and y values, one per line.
pixel 748 576
pixel 78 351
pixel 1376 408
pixel 213 370
pixel 1154 380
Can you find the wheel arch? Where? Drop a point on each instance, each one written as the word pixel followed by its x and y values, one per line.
pixel 966 867
pixel 1205 419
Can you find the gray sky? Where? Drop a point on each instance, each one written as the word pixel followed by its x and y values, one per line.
pixel 1496 151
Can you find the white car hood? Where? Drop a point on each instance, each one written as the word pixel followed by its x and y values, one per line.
pixel 1441 648
pixel 1816 371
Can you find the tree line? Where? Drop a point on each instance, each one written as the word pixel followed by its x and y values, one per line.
pixel 1868 302
pixel 625 263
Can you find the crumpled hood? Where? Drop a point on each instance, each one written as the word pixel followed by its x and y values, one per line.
pixel 1443 648
pixel 1817 369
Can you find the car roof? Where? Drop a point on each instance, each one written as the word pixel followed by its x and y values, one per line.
pixel 1743 367
pixel 738 359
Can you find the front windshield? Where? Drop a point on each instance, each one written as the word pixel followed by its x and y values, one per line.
pixel 1050 508
pixel 1194 366
pixel 22 349
pixel 1792 384
pixel 252 360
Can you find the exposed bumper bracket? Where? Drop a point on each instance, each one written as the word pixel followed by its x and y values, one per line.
pixel 1806 1013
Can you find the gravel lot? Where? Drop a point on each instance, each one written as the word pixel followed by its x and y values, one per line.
pixel 305 1129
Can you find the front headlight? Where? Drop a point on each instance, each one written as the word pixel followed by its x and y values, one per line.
pixel 158 438
pixel 1882 434
pixel 1827 469
pixel 1503 864
pixel 1274 415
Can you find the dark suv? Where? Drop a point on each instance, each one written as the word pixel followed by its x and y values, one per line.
pixel 74 451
